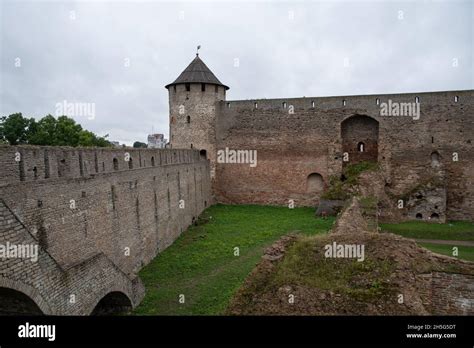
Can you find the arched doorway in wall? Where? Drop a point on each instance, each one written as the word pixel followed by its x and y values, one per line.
pixel 13 302
pixel 360 135
pixel 115 302
pixel 203 154
pixel 435 158
pixel 314 183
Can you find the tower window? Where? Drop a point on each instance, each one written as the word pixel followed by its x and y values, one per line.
pixel 343 102
pixel 284 105
pixel 377 101
pixel 174 88
pixel 115 161
pixel 456 98
pixel 256 105
pixel 216 88
pixel 417 99
pixel 188 87
pixel 228 105
pixel 360 147
pixel 188 119
pixel 312 104
pixel 203 87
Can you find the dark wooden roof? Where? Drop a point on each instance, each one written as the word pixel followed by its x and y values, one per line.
pixel 197 72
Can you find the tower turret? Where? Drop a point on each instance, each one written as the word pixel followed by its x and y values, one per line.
pixel 192 101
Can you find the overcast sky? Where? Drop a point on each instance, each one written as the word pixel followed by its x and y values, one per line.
pixel 119 55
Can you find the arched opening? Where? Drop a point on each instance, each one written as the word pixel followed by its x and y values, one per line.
pixel 360 136
pixel 130 163
pixel 203 154
pixel 419 216
pixel 13 302
pixel 434 216
pixel 113 303
pixel 435 159
pixel 314 183
pixel 115 161
pixel 152 161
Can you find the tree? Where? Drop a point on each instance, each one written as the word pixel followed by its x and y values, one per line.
pixel 15 128
pixel 63 131
pixel 138 144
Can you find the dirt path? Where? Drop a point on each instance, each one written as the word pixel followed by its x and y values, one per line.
pixel 445 242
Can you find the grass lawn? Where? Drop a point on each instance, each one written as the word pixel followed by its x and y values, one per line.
pixel 464 252
pixel 455 230
pixel 201 264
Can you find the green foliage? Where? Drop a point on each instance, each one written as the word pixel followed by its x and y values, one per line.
pixel 63 131
pixel 138 144
pixel 464 252
pixel 15 128
pixel 201 264
pixel 454 230
pixel 341 190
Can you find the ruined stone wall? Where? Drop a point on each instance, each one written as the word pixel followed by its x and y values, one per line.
pixel 292 145
pixel 78 204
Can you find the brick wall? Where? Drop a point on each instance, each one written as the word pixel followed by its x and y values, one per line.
pixel 92 213
pixel 292 145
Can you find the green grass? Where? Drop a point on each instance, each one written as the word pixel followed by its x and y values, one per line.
pixel 298 268
pixel 456 230
pixel 201 263
pixel 464 252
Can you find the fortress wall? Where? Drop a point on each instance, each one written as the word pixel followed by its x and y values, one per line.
pixel 291 146
pixel 84 212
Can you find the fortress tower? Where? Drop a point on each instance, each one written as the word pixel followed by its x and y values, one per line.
pixel 193 97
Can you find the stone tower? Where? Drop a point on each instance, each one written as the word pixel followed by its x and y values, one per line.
pixel 193 98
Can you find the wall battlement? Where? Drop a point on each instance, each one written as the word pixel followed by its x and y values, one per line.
pixel 36 163
pixel 371 101
pixel 92 211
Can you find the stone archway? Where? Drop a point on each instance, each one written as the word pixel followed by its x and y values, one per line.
pixel 315 183
pixel 360 134
pixel 21 297
pixel 114 302
pixel 13 302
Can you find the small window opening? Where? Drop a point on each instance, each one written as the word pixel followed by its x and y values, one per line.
pixel 417 99
pixel 228 105
pixel 216 88
pixel 203 87
pixel 188 119
pixel 174 88
pixel 456 98
pixel 360 147
pixel 115 164
pixel 419 216
pixel 343 102
pixel 188 87
pixel 284 105
pixel 256 105
pixel 377 101
pixel 312 104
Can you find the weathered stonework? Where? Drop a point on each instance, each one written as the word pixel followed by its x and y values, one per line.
pixel 97 218
pixel 297 138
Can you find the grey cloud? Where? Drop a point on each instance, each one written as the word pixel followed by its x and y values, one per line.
pixel 280 55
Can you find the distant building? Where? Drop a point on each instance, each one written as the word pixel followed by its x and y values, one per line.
pixel 115 143
pixel 156 141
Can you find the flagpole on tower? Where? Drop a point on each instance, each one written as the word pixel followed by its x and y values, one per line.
pixel 197 51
